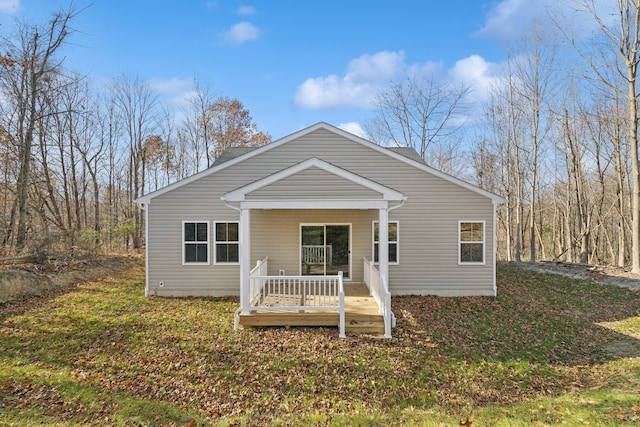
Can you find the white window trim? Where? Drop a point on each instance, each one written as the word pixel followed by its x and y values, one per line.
pixel 484 243
pixel 215 242
pixel 397 242
pixel 208 242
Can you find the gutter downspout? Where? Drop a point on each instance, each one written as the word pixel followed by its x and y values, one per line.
pixel 393 316
pixel 144 207
pixel 244 279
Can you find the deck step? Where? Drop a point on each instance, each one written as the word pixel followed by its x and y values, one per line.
pixel 363 323
pixel 289 319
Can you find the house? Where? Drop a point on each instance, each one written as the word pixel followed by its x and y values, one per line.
pixel 294 226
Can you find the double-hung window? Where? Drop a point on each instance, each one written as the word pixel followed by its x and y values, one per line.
pixel 227 243
pixel 394 252
pixel 471 242
pixel 195 242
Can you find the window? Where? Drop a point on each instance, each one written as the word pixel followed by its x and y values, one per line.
pixel 227 246
pixel 195 236
pixel 471 242
pixel 394 254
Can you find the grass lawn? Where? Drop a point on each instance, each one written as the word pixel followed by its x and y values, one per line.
pixel 546 351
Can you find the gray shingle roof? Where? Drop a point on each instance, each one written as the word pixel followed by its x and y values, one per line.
pixel 231 153
pixel 408 152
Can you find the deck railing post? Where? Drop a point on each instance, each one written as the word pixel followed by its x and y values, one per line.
pixel 341 333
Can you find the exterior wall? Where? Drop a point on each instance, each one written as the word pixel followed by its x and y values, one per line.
pixel 428 221
pixel 196 202
pixel 313 183
pixel 276 234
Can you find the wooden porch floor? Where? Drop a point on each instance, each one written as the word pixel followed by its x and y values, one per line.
pixel 361 314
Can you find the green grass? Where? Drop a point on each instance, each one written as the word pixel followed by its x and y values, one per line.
pixel 546 351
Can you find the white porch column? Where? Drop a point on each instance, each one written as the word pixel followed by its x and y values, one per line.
pixel 383 244
pixel 245 260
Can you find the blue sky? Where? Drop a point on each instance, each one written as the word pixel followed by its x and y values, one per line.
pixel 291 63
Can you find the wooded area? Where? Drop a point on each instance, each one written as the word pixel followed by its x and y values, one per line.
pixel 556 136
pixel 74 159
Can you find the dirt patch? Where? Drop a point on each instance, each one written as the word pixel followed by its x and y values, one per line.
pixel 603 275
pixel 21 280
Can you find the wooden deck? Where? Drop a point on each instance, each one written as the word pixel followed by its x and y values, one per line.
pixel 361 314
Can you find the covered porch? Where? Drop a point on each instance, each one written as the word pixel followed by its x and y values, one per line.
pixel 353 293
pixel 318 301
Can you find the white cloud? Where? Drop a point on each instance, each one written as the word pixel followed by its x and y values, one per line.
pixel 240 33
pixel 477 74
pixel 354 128
pixel 177 91
pixel 511 18
pixel 9 6
pixel 365 76
pixel 245 10
pixel 370 74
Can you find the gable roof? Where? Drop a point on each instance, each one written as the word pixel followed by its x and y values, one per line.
pixel 217 166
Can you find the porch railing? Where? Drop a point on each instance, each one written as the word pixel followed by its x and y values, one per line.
pixel 298 293
pixel 261 269
pixel 379 290
pixel 315 254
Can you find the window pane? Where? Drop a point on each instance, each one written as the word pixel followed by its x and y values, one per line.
pixel 393 231
pixel 393 252
pixel 190 252
pixel 233 253
pixel 227 252
pixel 465 231
pixel 189 231
pixel 375 232
pixel 196 252
pixel 202 255
pixel 232 234
pixel 471 232
pixel 221 232
pixel 375 252
pixel 472 252
pixel 202 232
pixel 476 232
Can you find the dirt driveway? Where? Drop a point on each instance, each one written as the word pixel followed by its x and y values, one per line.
pixel 603 275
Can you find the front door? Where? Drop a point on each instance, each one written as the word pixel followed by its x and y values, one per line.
pixel 325 249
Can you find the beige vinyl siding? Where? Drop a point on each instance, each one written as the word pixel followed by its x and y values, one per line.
pixel 428 220
pixel 313 183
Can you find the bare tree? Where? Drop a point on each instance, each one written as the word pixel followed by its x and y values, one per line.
pixel 622 37
pixel 418 112
pixel 136 104
pixel 25 69
pixel 534 72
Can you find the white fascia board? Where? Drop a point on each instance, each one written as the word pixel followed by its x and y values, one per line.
pixel 387 193
pixel 314 204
